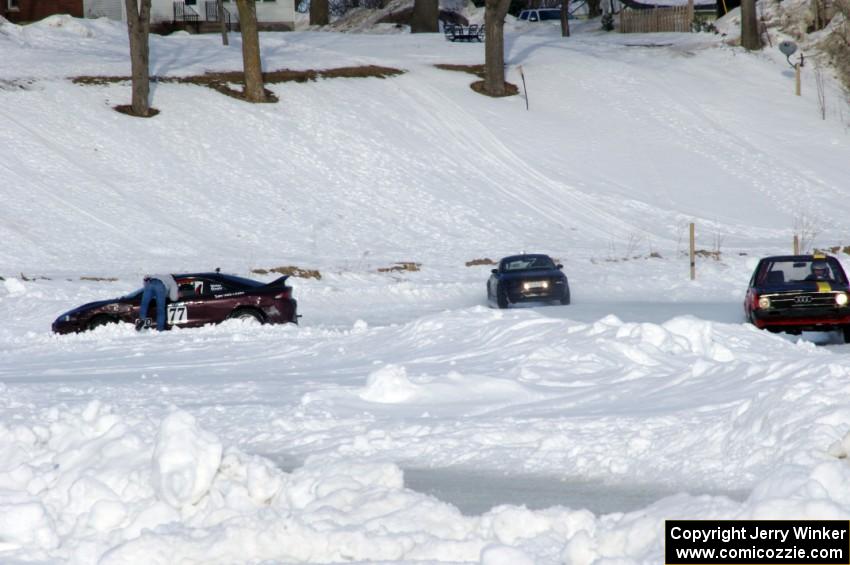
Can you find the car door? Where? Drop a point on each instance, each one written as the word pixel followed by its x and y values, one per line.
pixel 195 304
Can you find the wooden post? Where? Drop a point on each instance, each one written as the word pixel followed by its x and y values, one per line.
pixel 693 254
pixel 796 245
pixel 797 79
pixel 690 16
pixel 524 90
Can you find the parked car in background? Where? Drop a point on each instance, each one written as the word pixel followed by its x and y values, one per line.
pixel 525 278
pixel 204 298
pixel 541 15
pixel 795 293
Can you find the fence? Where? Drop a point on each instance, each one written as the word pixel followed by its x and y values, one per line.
pixel 672 18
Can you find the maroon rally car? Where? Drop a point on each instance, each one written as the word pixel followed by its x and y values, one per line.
pixel 204 298
pixel 793 293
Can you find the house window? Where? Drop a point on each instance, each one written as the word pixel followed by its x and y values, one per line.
pixel 13 5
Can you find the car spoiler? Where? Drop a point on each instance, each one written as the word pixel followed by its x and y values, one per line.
pixel 278 283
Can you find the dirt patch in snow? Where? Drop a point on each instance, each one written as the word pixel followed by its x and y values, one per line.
pixel 229 82
pixel 292 271
pixel 478 70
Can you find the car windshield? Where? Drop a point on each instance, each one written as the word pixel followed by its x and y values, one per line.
pixel 789 271
pixel 529 262
pixel 134 294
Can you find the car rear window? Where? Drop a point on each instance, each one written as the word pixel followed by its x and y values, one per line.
pixel 523 263
pixel 243 281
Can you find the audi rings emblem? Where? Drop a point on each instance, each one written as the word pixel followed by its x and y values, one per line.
pixel 802 299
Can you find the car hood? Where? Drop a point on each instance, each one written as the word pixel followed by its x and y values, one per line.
pixel 90 306
pixel 532 274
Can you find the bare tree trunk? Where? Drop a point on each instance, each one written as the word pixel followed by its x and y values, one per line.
pixel 138 29
pixel 425 16
pixel 565 18
pixel 494 46
pixel 594 8
pixel 222 21
pixel 319 13
pixel 750 38
pixel 251 65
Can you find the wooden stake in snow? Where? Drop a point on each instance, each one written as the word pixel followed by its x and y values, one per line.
pixel 796 244
pixel 693 254
pixel 524 91
pixel 797 79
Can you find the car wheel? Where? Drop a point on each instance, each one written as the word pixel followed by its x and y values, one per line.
pixel 501 297
pixel 566 298
pixel 846 331
pixel 247 314
pixel 98 321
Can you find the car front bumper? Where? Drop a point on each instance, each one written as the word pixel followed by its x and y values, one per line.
pixel 816 319
pixel 62 327
pixel 554 292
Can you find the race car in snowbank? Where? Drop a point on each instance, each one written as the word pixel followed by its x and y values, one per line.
pixel 204 298
pixel 526 278
pixel 795 293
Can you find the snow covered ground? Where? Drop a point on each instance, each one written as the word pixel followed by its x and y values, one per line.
pixel 343 439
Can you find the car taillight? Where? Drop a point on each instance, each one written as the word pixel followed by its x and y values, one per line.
pixel 754 300
pixel 287 293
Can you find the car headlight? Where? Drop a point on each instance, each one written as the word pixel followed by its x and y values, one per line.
pixel 841 299
pixel 764 302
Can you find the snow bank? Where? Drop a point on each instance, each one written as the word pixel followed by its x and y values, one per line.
pixel 185 460
pixel 388 384
pixel 95 499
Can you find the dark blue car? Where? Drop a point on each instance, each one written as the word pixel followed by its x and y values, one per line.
pixel 527 278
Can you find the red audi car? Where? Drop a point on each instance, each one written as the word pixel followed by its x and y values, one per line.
pixel 795 293
pixel 204 298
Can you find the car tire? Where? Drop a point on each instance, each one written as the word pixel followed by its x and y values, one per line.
pixel 247 314
pixel 566 298
pixel 501 297
pixel 99 321
pixel 846 332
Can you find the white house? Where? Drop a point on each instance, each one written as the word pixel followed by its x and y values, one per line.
pixel 198 15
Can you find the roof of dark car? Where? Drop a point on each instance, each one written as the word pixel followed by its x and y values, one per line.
pixel 221 276
pixel 523 256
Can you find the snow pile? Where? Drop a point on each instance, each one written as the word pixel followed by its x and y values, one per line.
pixel 388 384
pixel 185 460
pixel 95 499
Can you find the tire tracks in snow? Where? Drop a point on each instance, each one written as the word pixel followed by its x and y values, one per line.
pixel 541 194
pixel 52 195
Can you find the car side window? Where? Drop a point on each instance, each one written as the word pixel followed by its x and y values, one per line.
pixel 193 287
pixel 532 17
